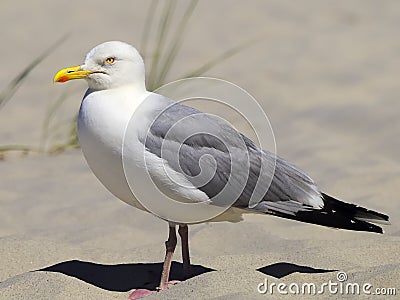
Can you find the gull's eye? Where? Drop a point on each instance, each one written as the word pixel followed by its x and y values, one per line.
pixel 110 60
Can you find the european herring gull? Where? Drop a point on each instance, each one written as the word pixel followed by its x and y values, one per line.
pixel 115 75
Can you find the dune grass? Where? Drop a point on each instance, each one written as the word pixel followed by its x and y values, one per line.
pixel 8 92
pixel 167 44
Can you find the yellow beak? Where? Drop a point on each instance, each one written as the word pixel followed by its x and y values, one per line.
pixel 70 73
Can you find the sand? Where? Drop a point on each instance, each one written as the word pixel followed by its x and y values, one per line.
pixel 325 72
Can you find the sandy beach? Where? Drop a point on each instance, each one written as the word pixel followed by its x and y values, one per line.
pixel 326 74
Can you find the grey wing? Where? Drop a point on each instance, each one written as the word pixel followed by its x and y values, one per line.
pixel 205 148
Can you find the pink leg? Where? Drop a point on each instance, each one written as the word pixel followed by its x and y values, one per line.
pixel 170 245
pixel 183 232
pixel 140 293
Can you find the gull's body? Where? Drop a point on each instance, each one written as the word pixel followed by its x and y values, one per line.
pixel 115 74
pixel 101 129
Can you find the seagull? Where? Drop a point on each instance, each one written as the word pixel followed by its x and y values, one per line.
pixel 115 74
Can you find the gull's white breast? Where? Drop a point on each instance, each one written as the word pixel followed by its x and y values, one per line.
pixel 102 120
pixel 102 123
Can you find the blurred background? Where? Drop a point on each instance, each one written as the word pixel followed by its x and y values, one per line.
pixel 325 72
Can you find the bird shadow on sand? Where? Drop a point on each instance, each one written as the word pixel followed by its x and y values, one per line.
pixel 282 269
pixel 123 277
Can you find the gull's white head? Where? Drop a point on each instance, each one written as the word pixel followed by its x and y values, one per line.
pixel 107 66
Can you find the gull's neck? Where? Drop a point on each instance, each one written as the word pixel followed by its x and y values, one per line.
pixel 136 87
pixel 128 96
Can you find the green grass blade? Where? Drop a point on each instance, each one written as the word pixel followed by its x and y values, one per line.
pixel 147 26
pixel 13 86
pixel 220 58
pixel 51 113
pixel 23 148
pixel 162 35
pixel 72 141
pixel 176 43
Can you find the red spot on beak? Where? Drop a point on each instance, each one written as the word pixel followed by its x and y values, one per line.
pixel 63 79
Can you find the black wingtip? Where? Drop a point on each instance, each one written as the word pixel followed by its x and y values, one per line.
pixel 356 211
pixel 341 215
pixel 353 217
